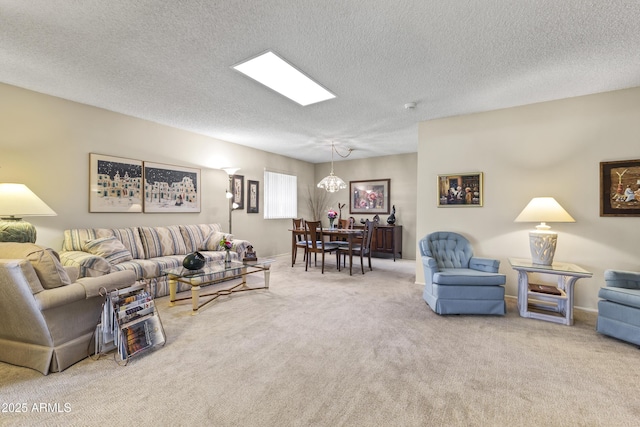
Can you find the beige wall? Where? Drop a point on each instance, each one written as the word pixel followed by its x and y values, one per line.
pixel 401 170
pixel 45 143
pixel 547 149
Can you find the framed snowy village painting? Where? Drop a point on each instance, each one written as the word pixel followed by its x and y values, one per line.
pixel 169 188
pixel 115 184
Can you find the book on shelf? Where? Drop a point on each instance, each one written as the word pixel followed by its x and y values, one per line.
pixel 544 289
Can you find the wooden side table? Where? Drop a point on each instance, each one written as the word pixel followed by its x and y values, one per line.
pixel 550 303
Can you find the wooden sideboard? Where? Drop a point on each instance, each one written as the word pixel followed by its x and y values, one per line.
pixel 386 241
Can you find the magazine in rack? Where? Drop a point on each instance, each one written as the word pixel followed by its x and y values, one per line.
pixel 130 323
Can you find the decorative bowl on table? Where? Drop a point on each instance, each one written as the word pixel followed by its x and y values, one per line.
pixel 193 261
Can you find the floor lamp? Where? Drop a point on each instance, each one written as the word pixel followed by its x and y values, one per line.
pixel 229 193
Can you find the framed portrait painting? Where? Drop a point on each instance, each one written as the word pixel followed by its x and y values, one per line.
pixel 253 196
pixel 460 190
pixel 369 197
pixel 620 188
pixel 169 188
pixel 115 184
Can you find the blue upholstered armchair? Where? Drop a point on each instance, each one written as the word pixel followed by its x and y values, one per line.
pixel 619 308
pixel 456 282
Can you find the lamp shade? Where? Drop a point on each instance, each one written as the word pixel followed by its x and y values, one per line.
pixel 332 183
pixel 544 209
pixel 231 171
pixel 543 241
pixel 17 201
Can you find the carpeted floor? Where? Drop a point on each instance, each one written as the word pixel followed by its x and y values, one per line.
pixel 335 350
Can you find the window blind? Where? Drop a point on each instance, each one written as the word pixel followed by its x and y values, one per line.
pixel 280 195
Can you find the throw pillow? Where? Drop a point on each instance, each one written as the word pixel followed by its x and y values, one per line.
pixel 109 248
pixel 45 262
pixel 212 241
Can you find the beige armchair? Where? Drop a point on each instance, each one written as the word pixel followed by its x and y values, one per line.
pixel 47 315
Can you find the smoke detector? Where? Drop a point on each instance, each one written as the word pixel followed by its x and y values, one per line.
pixel 410 106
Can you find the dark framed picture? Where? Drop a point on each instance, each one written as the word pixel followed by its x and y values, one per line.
pixel 169 188
pixel 253 196
pixel 460 190
pixel 115 184
pixel 238 191
pixel 620 188
pixel 369 197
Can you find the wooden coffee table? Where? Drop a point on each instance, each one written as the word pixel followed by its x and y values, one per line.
pixel 199 278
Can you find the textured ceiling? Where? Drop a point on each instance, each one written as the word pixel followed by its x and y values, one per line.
pixel 169 62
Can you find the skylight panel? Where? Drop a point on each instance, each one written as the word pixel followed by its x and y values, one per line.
pixel 277 74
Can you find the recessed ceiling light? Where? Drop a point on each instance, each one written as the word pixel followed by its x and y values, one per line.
pixel 277 74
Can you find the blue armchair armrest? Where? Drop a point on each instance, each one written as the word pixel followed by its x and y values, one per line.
pixel 484 264
pixel 430 268
pixel 622 279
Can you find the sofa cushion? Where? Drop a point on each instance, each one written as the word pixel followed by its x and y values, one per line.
pixel 212 241
pixel 75 239
pixel 465 276
pixel 162 241
pixel 624 296
pixel 45 262
pixel 144 268
pixel 195 234
pixel 109 248
pixel 130 238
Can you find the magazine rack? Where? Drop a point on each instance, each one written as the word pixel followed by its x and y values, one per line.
pixel 129 324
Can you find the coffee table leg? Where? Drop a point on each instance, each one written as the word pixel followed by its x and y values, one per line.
pixel 267 274
pixel 173 285
pixel 195 298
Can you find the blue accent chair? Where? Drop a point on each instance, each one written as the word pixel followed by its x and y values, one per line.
pixel 456 282
pixel 619 307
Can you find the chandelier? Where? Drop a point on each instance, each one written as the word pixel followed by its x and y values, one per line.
pixel 333 183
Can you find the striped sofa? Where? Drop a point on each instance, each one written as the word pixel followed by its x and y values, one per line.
pixel 145 250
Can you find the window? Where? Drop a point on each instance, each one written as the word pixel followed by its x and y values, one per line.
pixel 280 195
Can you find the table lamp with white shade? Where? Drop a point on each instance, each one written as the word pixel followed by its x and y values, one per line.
pixel 542 240
pixel 17 201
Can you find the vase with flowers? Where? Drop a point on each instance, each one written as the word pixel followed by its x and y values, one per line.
pixel 226 245
pixel 332 215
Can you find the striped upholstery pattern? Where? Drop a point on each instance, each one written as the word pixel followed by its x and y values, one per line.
pixel 130 238
pixel 75 239
pixel 194 234
pixel 109 248
pixel 89 265
pixel 212 241
pixel 153 250
pixel 138 267
pixel 161 241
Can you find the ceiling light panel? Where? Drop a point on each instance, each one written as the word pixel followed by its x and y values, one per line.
pixel 280 76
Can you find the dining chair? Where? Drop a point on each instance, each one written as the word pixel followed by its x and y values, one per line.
pixel 344 224
pixel 361 248
pixel 301 243
pixel 316 244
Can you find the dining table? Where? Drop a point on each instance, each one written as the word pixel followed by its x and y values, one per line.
pixel 347 234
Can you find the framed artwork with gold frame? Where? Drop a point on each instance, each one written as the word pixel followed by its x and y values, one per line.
pixel 460 190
